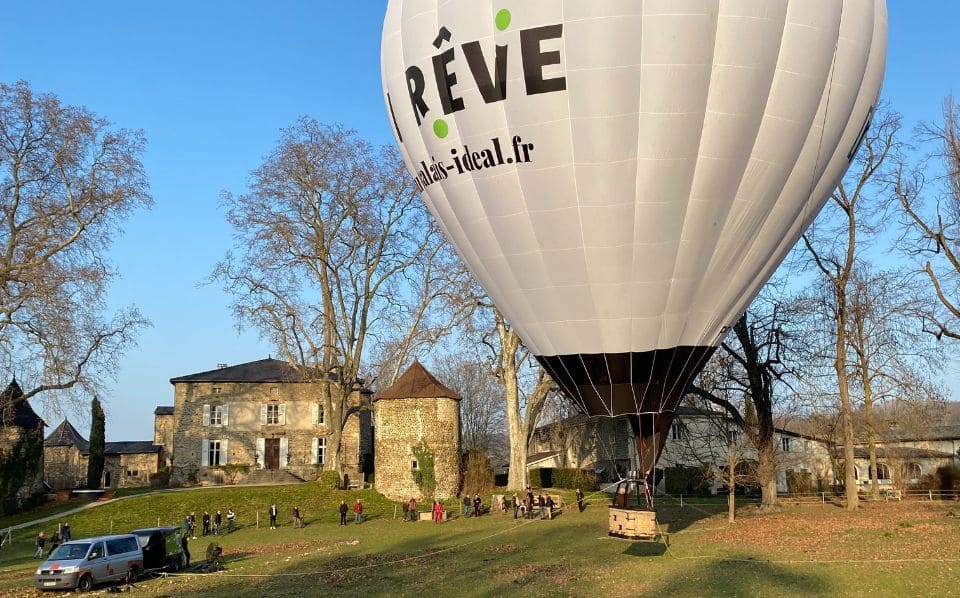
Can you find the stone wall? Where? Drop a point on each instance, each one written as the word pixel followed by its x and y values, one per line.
pixel 9 435
pixel 243 427
pixel 62 467
pixel 163 426
pixel 401 425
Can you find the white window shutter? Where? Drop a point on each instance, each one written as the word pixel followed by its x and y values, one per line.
pixel 263 414
pixel 284 451
pixel 261 449
pixel 313 454
pixel 224 452
pixel 315 414
pixel 204 452
pixel 225 414
pixel 283 415
pixel 206 415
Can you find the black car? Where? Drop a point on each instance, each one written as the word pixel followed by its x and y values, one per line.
pixel 161 548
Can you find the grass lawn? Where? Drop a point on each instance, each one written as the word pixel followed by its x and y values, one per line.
pixel 885 549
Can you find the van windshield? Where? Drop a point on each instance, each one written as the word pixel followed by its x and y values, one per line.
pixel 70 552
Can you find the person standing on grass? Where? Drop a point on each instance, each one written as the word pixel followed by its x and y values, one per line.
pixel 217 522
pixel 273 512
pixel 580 500
pixel 406 511
pixel 529 500
pixel 358 511
pixel 66 533
pixel 477 505
pixel 516 505
pixel 41 543
pixel 549 507
pixel 543 506
pixel 193 524
pixel 231 519
pixel 55 541
pixel 414 515
pixel 343 512
pixel 206 523
pixel 437 511
pixel 466 505
pixel 297 523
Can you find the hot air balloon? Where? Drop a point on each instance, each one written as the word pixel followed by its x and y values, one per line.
pixel 624 176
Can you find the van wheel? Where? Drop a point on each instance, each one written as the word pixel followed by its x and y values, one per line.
pixel 85 584
pixel 133 575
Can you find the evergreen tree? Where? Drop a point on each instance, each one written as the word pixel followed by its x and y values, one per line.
pixel 97 446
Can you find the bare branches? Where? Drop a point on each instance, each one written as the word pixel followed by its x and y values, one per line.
pixel 67 182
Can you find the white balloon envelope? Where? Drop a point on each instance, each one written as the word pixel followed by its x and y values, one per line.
pixel 623 176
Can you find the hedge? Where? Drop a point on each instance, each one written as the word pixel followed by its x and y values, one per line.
pixel 685 480
pixel 550 477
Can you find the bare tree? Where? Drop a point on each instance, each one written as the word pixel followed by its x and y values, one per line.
pixel 525 395
pixel 833 246
pixel 482 400
pixel 929 195
pixel 889 349
pixel 750 365
pixel 68 180
pixel 327 236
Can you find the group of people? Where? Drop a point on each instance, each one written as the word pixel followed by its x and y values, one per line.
pixel 476 504
pixel 60 535
pixel 525 509
pixel 211 525
pixel 357 512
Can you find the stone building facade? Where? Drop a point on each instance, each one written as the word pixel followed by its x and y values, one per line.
pixel 262 414
pixel 417 413
pixel 163 431
pixel 21 429
pixel 126 464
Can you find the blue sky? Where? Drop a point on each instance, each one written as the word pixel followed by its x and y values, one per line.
pixel 212 84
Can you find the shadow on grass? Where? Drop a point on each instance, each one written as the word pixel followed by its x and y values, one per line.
pixel 743 578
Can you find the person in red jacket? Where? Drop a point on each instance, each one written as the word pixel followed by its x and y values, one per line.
pixel 437 511
pixel 357 511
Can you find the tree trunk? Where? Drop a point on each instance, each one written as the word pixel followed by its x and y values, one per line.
pixel 767 474
pixel 732 485
pixel 846 410
pixel 872 441
pixel 517 478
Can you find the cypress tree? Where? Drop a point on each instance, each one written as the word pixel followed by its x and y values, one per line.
pixel 97 446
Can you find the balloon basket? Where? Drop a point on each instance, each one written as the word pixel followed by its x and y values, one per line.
pixel 633 524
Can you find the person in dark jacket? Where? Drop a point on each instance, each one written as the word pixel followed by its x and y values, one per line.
pixel 217 522
pixel 55 540
pixel 186 551
pixel 41 543
pixel 273 512
pixel 65 532
pixel 466 505
pixel 343 512
pixel 549 507
pixel 543 506
pixel 580 500
pixel 516 505
pixel 206 523
pixel 477 505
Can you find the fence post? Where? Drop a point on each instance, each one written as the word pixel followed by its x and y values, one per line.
pixel 111 526
pixel 258 519
pixel 930 492
pixel 681 501
pixel 823 498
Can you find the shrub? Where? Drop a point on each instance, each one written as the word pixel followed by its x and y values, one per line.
pixel 549 477
pixel 685 480
pixel 329 480
pixel 477 473
pixel 424 475
pixel 948 479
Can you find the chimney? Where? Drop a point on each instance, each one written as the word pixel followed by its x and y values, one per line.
pixel 221 366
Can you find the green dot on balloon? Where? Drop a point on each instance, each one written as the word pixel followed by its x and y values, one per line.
pixel 441 128
pixel 503 19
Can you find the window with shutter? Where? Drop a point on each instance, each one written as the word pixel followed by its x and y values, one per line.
pixel 204 452
pixel 261 449
pixel 282 415
pixel 206 415
pixel 226 415
pixel 224 453
pixel 263 414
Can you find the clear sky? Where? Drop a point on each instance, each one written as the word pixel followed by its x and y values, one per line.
pixel 212 83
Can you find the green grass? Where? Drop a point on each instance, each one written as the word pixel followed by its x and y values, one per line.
pixel 811 550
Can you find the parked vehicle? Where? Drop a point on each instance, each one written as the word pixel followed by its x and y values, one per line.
pixel 84 563
pixel 161 548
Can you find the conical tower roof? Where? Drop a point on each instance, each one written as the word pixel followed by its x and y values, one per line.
pixel 417 383
pixel 66 435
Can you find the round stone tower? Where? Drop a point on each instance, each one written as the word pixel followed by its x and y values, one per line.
pixel 417 437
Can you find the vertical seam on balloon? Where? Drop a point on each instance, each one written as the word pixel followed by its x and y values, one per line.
pixel 686 210
pixel 746 248
pixel 782 249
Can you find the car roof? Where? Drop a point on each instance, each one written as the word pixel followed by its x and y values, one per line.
pixel 153 530
pixel 97 539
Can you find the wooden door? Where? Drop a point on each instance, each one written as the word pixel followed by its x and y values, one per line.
pixel 272 453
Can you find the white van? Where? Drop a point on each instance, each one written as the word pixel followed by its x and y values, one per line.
pixel 84 563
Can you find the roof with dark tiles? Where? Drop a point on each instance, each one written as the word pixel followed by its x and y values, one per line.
pixel 263 370
pixel 16 411
pixel 417 383
pixel 66 435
